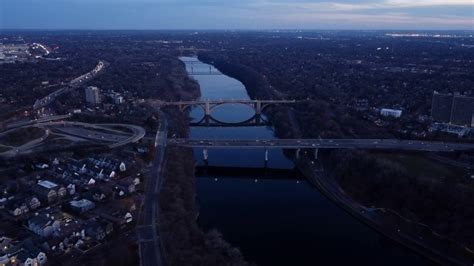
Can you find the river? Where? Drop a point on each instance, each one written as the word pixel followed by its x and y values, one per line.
pixel 276 221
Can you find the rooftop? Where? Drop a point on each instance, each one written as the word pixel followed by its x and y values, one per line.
pixel 47 184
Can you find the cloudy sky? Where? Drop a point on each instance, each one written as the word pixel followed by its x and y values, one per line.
pixel 237 14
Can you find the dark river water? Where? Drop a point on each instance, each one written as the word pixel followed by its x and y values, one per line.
pixel 276 221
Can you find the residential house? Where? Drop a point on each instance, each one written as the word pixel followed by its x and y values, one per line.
pixel 126 186
pixel 44 225
pixel 26 253
pixel 17 207
pixel 81 206
pixel 46 191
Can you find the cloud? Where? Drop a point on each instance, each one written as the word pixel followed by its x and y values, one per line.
pixel 255 14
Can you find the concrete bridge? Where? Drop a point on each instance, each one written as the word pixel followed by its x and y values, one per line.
pixel 202 69
pixel 316 144
pixel 210 105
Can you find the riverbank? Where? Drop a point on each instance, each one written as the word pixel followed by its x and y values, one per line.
pixel 382 220
pixel 282 117
pixel 185 243
pixel 384 223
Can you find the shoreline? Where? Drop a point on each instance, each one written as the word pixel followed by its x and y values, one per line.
pixel 185 242
pixel 421 249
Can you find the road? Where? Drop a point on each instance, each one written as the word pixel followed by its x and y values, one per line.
pixel 73 84
pixel 89 131
pixel 104 133
pixel 37 121
pixel 27 146
pixel 150 244
pixel 385 144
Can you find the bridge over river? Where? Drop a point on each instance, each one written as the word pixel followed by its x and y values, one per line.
pixel 384 144
pixel 209 105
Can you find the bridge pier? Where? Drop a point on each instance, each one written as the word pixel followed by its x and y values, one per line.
pixel 298 154
pixel 205 154
pixel 258 108
pixel 258 119
pixel 266 155
pixel 207 109
pixel 316 151
pixel 207 120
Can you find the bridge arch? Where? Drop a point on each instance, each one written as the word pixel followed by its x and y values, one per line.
pixel 215 106
pixel 255 120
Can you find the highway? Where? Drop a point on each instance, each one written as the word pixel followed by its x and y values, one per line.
pixel 73 84
pixel 89 131
pixel 384 144
pixel 27 146
pixel 102 133
pixel 37 121
pixel 150 243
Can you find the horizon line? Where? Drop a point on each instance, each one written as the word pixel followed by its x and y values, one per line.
pixel 223 29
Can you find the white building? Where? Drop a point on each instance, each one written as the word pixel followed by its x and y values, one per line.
pixel 92 95
pixel 391 112
pixel 82 205
pixel 117 98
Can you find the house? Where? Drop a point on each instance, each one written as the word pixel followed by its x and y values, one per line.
pixel 118 217
pixel 126 186
pixel 81 206
pixel 26 253
pixel 44 225
pixel 67 237
pixel 46 191
pixel 97 194
pixel 33 202
pixel 17 207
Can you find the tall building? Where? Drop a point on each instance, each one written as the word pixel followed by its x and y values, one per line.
pixel 92 95
pixel 441 107
pixel 453 109
pixel 463 109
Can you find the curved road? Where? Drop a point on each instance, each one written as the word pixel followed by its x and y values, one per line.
pixel 85 131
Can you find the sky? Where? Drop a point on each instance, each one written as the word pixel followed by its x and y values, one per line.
pixel 237 14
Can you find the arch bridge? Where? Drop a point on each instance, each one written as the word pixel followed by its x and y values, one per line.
pixel 197 68
pixel 210 105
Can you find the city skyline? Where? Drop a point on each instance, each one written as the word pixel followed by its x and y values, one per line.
pixel 246 14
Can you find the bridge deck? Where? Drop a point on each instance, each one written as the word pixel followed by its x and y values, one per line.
pixel 387 144
pixel 226 101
